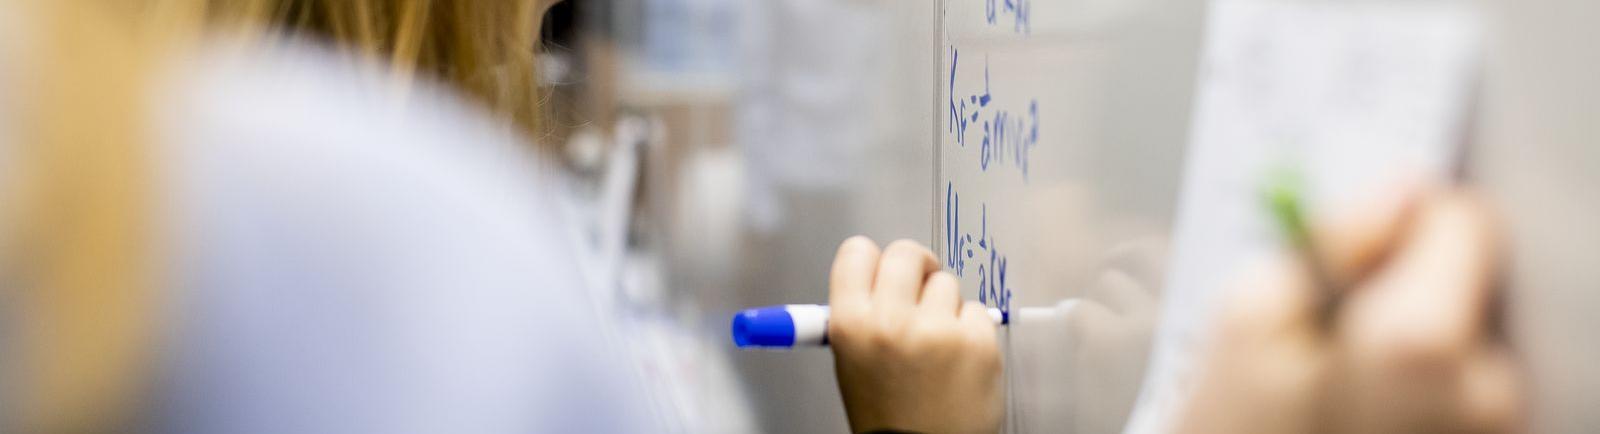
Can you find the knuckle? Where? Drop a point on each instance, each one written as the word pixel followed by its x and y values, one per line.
pixel 936 340
pixel 884 332
pixel 945 334
pixel 905 244
pixel 970 307
pixel 856 244
pixel 899 346
pixel 921 342
pixel 979 340
pixel 907 249
pixel 943 280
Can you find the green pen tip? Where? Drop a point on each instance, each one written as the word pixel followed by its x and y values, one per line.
pixel 1283 193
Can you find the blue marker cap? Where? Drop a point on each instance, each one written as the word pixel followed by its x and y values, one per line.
pixel 787 326
pixel 763 327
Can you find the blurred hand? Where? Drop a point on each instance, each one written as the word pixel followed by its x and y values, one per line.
pixel 1412 347
pixel 910 355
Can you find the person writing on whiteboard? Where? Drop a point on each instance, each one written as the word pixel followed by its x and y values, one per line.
pixel 237 232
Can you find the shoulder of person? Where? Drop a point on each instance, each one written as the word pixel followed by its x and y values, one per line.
pixel 306 186
pixel 299 100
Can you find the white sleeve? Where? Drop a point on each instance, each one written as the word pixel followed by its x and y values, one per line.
pixel 344 266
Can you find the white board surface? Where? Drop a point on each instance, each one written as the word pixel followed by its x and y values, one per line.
pixel 1059 127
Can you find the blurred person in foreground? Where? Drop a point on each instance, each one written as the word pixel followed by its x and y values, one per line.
pixel 216 225
pixel 258 216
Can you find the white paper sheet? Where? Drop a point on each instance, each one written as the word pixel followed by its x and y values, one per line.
pixel 1354 93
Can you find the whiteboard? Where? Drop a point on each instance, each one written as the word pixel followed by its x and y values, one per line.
pixel 1059 129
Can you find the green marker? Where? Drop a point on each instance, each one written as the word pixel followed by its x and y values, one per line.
pixel 1284 195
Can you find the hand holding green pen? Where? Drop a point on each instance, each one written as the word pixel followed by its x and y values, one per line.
pixel 1381 322
pixel 1285 198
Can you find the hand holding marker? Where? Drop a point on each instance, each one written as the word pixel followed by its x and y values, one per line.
pixel 901 283
pixel 909 354
pixel 795 325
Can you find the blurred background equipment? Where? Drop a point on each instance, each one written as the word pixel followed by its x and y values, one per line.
pixel 725 147
pixel 773 131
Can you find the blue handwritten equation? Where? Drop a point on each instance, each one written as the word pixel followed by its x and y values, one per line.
pixel 1019 11
pixel 962 247
pixel 1008 136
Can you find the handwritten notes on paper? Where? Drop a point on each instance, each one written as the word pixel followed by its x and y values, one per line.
pixel 1356 93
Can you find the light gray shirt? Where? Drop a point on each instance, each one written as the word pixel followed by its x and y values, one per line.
pixel 347 263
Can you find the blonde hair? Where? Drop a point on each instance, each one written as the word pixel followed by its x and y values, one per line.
pixel 484 48
pixel 87 281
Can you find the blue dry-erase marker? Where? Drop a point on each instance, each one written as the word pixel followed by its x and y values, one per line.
pixel 795 325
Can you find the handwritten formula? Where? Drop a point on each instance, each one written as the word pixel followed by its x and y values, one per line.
pixel 1007 136
pixel 1001 130
pixel 1019 12
pixel 963 247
